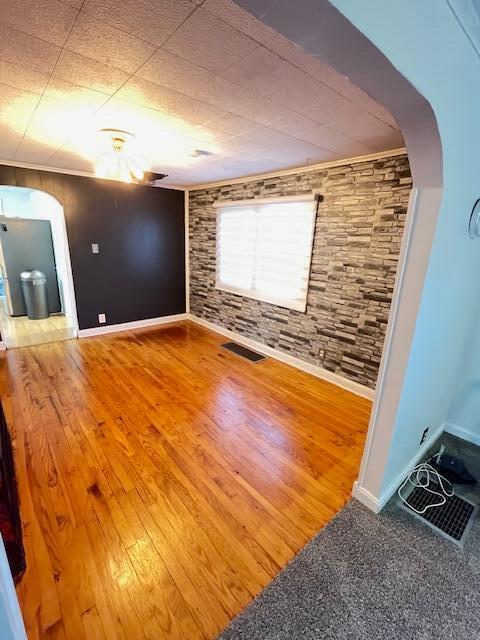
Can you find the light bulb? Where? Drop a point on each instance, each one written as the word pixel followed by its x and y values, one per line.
pixel 117 162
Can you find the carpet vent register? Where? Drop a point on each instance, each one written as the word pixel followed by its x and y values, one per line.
pixel 452 519
pixel 244 352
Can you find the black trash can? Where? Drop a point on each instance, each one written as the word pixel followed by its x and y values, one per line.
pixel 34 287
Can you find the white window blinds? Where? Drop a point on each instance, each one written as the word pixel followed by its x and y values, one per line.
pixel 264 249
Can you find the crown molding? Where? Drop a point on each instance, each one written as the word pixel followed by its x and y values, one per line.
pixel 299 169
pixel 220 183
pixel 73 172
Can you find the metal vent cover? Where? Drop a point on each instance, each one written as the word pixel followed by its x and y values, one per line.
pixel 451 520
pixel 244 352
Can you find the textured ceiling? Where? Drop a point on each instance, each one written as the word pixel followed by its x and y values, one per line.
pixel 181 75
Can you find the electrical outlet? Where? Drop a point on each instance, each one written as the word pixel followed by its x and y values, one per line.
pixel 424 436
pixel 95 248
pixel 102 318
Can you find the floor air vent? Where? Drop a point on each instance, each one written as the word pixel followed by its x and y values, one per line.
pixel 246 353
pixel 452 519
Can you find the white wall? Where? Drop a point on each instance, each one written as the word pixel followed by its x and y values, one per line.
pixel 464 415
pixel 15 199
pixel 33 204
pixel 428 46
pixel 11 623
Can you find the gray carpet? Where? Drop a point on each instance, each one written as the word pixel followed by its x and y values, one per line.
pixel 384 577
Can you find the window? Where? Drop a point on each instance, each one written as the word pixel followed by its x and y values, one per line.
pixel 264 249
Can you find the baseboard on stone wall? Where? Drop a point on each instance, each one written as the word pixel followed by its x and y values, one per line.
pixel 319 372
pixel 129 326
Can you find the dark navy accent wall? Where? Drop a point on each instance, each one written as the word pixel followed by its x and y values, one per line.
pixel 140 270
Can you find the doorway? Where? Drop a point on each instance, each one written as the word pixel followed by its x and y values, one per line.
pixel 33 238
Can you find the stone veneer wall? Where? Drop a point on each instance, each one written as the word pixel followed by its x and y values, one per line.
pixel 357 242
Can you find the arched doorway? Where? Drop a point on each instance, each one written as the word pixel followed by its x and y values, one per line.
pixel 33 230
pixel 327 34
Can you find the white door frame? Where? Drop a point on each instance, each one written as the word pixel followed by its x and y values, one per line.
pixel 68 288
pixel 423 208
pixel 68 262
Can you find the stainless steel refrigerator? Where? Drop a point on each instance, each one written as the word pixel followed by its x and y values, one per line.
pixel 26 245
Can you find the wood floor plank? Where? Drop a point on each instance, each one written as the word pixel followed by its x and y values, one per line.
pixel 164 481
pixel 208 613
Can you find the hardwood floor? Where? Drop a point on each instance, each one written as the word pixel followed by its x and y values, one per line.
pixel 164 481
pixel 23 332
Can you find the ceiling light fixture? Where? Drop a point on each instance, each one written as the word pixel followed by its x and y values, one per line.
pixel 118 160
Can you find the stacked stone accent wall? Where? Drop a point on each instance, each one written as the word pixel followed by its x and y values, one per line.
pixel 356 247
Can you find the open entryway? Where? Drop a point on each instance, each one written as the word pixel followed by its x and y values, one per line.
pixel 37 302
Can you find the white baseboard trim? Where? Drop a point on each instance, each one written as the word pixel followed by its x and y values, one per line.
pixel 129 326
pixel 375 503
pixel 314 370
pixel 366 498
pixel 460 432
